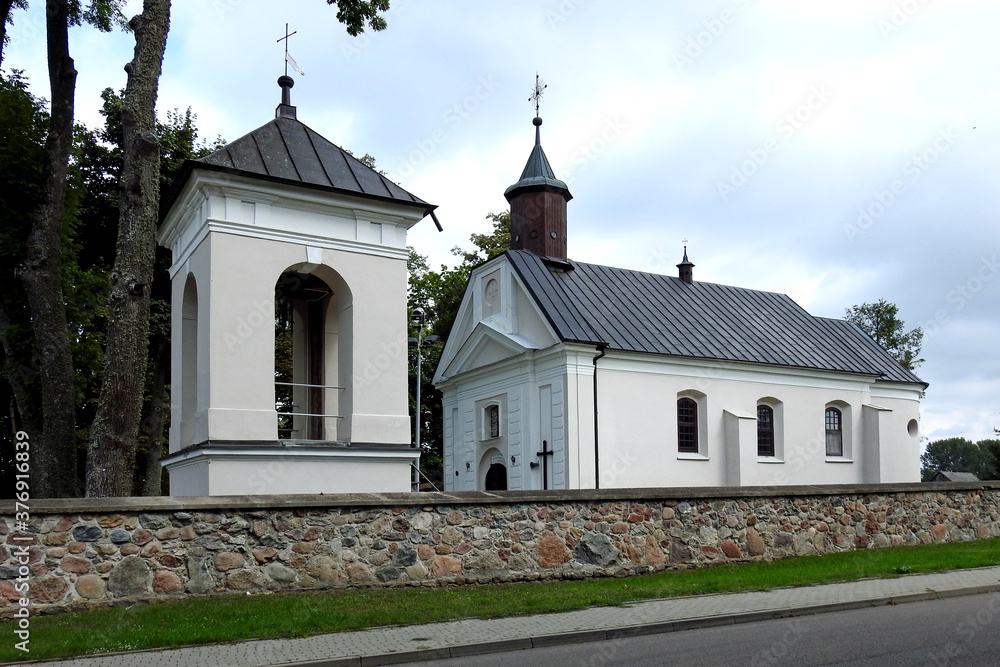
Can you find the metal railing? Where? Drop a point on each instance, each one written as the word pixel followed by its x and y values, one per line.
pixel 303 414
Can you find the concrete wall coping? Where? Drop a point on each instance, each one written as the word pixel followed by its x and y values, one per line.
pixel 362 500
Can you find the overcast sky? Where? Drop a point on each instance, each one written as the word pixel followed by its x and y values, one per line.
pixel 839 152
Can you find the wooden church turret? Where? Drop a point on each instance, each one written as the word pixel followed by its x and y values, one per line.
pixel 686 268
pixel 538 200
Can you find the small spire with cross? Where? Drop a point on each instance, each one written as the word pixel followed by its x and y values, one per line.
pixel 285 82
pixel 536 97
pixel 686 267
pixel 536 94
pixel 288 59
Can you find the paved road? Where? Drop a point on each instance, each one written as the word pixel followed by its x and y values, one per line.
pixel 476 639
pixel 953 631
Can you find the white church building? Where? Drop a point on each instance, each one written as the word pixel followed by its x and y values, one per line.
pixel 559 374
pixel 283 225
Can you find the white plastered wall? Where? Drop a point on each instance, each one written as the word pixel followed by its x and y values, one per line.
pixel 638 422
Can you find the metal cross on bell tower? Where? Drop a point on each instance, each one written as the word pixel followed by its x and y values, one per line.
pixel 536 94
pixel 285 39
pixel 289 60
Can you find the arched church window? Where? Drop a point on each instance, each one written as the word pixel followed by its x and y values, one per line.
pixel 687 425
pixel 765 430
pixel 493 421
pixel 834 432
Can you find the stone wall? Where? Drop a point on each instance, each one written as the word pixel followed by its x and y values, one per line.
pixel 88 552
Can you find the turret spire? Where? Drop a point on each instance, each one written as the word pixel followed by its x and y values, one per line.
pixel 685 268
pixel 538 199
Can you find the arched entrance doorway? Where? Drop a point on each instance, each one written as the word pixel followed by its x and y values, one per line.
pixel 496 477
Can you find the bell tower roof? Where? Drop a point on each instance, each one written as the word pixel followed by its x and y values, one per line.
pixel 537 170
pixel 538 199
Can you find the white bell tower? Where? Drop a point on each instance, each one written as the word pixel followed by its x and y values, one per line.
pixel 289 353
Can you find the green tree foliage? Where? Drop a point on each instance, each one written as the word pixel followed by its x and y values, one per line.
pixel 992 449
pixel 23 120
pixel 487 246
pixel 88 243
pixel 880 320
pixel 960 455
pixel 23 123
pixel 354 14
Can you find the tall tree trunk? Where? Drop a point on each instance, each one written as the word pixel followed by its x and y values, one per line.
pixel 113 435
pixel 53 460
pixel 161 365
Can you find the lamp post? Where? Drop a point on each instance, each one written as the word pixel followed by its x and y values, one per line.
pixel 417 318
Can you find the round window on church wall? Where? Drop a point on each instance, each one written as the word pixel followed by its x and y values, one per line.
pixel 913 428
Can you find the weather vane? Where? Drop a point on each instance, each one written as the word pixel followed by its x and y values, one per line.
pixel 288 59
pixel 536 94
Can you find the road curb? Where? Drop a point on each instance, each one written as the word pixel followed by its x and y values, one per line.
pixel 624 632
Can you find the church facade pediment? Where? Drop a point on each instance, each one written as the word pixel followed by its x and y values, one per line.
pixel 486 346
pixel 498 318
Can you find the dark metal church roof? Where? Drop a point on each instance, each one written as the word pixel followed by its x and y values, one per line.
pixel 646 312
pixel 286 150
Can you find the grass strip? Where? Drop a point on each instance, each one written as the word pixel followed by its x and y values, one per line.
pixel 238 617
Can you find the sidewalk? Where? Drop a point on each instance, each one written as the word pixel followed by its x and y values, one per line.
pixel 381 646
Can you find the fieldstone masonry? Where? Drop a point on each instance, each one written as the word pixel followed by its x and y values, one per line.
pixel 88 552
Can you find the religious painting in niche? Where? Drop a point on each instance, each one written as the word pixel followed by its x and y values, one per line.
pixel 491 298
pixel 493 421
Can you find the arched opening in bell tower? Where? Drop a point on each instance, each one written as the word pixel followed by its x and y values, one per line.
pixel 189 362
pixel 311 320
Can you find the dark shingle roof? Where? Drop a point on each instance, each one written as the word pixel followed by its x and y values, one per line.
pixel 647 312
pixel 949 476
pixel 289 151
